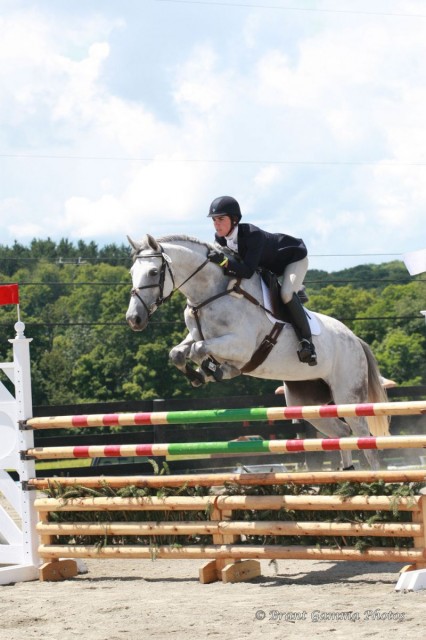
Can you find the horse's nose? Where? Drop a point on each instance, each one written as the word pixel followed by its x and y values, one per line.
pixel 135 322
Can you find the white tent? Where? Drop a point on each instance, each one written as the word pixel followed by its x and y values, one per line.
pixel 415 261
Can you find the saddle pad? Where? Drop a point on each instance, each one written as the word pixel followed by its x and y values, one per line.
pixel 313 320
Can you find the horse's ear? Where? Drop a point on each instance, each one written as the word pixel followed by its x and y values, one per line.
pixel 152 242
pixel 135 245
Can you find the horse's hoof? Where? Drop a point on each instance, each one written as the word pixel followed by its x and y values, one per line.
pixel 195 377
pixel 351 468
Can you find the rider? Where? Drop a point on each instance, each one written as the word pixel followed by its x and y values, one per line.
pixel 282 254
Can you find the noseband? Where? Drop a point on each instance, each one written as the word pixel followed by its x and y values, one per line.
pixel 161 298
pixel 164 265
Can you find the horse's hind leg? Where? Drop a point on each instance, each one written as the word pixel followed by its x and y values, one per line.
pixel 314 392
pixel 357 426
pixel 360 429
pixel 335 428
pixel 357 393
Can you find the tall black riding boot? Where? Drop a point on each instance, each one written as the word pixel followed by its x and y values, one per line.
pixel 306 350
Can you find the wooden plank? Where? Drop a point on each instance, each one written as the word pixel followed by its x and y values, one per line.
pixel 226 532
pixel 58 570
pixel 315 502
pixel 244 479
pixel 243 552
pixel 241 571
pixel 208 573
pixel 420 539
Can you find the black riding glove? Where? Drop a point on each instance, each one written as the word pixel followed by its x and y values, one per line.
pixel 218 258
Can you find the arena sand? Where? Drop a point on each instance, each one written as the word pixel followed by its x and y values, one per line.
pixel 159 599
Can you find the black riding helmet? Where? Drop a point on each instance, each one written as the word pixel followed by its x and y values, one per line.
pixel 225 206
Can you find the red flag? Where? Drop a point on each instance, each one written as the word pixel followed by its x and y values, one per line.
pixel 9 294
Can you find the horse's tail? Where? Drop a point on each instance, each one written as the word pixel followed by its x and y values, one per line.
pixel 379 425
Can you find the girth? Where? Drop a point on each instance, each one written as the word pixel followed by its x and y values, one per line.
pixel 264 349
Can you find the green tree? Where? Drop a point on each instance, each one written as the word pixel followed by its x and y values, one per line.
pixel 344 303
pixel 83 350
pixel 402 357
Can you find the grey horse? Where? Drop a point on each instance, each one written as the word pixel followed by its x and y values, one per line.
pixel 225 328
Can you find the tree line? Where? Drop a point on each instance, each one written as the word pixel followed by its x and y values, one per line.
pixel 73 299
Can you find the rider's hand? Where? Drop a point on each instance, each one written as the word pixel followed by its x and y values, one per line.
pixel 218 258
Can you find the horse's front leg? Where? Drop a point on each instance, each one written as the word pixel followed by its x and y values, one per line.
pixel 180 354
pixel 179 357
pixel 209 353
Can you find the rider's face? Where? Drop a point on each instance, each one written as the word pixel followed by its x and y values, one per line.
pixel 222 225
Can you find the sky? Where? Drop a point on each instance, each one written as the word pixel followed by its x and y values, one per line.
pixel 127 117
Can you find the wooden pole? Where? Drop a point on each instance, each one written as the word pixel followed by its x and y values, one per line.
pixel 226 529
pixel 243 479
pixel 229 415
pixel 230 447
pixel 373 554
pixel 420 538
pixel 315 502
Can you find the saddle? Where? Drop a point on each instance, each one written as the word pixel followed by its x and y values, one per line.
pixel 278 307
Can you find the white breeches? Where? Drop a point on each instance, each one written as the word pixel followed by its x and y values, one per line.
pixel 292 278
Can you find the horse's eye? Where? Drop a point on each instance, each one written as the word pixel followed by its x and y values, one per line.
pixel 153 272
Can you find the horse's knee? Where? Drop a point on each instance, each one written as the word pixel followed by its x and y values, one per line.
pixel 177 357
pixel 198 351
pixel 179 354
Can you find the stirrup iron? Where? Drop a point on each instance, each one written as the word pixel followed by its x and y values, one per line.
pixel 306 352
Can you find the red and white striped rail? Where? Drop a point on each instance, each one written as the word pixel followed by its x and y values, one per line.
pixel 228 447
pixel 230 415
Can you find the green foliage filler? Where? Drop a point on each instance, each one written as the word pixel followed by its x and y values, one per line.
pixel 345 489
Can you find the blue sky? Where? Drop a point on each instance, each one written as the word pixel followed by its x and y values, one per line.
pixel 131 116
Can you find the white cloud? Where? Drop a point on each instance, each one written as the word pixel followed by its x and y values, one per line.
pixel 198 87
pixel 85 219
pixel 398 196
pixel 26 231
pixel 267 176
pixel 146 201
pixel 331 89
pixel 13 220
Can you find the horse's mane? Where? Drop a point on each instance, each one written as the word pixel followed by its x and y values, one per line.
pixel 184 238
pixel 143 244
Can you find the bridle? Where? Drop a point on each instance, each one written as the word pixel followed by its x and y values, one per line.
pixel 165 267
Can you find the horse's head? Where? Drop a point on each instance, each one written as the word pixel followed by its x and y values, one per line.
pixel 151 286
